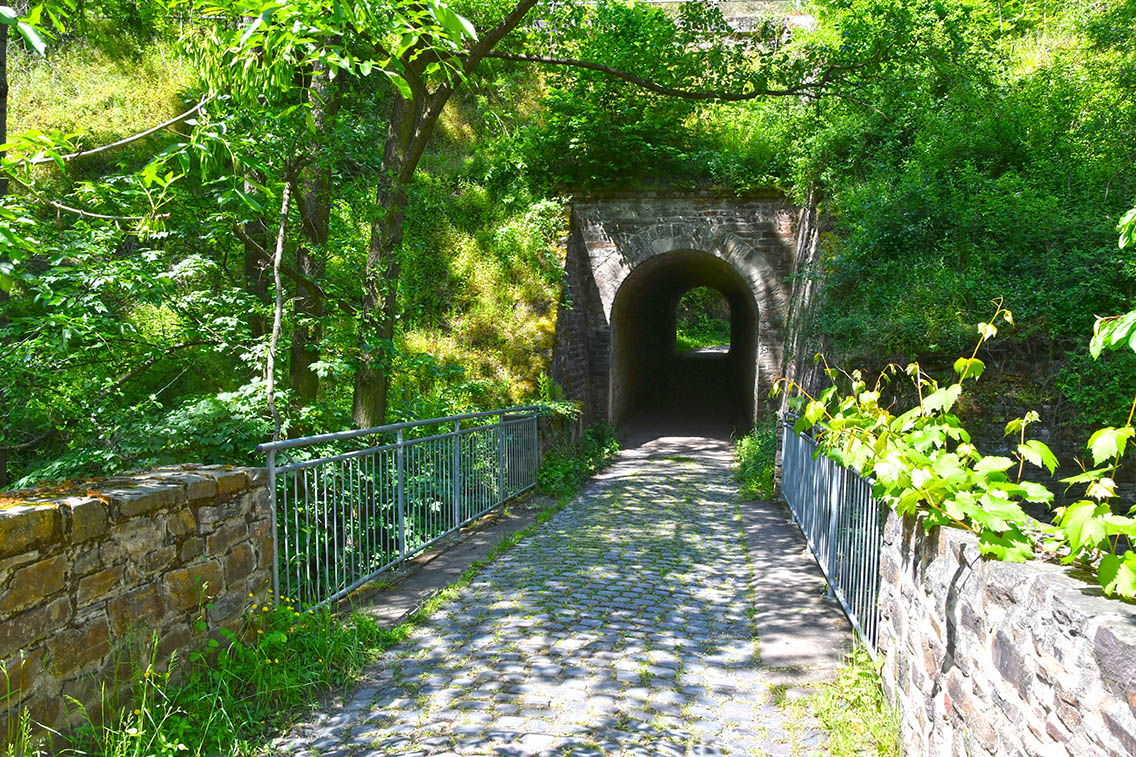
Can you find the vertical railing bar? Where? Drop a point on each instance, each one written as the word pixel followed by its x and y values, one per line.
pixel 271 464
pixel 401 495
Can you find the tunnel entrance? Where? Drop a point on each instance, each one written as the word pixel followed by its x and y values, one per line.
pixel 666 376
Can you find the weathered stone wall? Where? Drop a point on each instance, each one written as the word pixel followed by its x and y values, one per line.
pixel 88 579
pixel 994 658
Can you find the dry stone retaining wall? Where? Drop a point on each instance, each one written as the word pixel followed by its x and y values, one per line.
pixel 994 658
pixel 87 581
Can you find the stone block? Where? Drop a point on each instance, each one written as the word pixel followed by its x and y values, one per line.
pixel 136 497
pixel 1010 663
pixel 225 536
pixel 139 536
pixel 239 564
pixel 229 480
pixel 97 586
pixel 178 638
pixel 88 518
pixel 22 528
pixel 9 564
pixel 23 631
pixel 32 584
pixel 1123 730
pixel 21 674
pixel 75 648
pixel 157 560
pixel 207 518
pixel 1114 649
pixel 180 523
pixel 191 548
pixel 190 587
pixel 196 486
pixel 227 609
pixel 140 608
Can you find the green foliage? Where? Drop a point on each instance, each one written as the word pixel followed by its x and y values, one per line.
pixel 597 131
pixel 239 688
pixel 853 710
pixel 564 470
pixel 984 157
pixel 756 454
pixel 922 462
pixel 701 320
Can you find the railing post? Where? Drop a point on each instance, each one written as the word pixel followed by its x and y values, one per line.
pixel 457 473
pixel 271 465
pixel 833 523
pixel 500 458
pixel 400 487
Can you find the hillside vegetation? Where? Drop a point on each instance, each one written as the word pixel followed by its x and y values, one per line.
pixel 965 151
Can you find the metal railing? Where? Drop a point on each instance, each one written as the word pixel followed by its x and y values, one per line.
pixel 345 515
pixel 842 522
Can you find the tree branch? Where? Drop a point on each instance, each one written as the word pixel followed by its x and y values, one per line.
pixel 662 89
pixel 285 269
pixel 127 140
pixel 145 364
pixel 78 211
pixel 30 443
pixel 484 46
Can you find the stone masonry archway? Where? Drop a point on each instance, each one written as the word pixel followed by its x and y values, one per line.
pixel 630 259
pixel 651 383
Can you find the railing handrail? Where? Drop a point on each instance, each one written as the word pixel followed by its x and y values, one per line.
pixel 337 436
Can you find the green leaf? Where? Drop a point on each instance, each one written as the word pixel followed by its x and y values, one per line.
pixel 1011 545
pixel 1117 574
pixel 942 399
pixel 969 367
pixel 1108 443
pixel 31 36
pixel 1083 524
pixel 1035 492
pixel 1038 453
pixel 1084 478
pixel 991 464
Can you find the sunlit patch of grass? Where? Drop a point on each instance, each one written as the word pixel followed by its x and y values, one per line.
pixel 853 710
pixel 100 94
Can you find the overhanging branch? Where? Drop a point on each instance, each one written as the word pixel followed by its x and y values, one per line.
pixel 126 140
pixel 662 89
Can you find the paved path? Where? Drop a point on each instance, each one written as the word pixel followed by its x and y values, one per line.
pixel 625 625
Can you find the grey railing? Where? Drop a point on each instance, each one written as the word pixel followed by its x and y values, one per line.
pixel 842 522
pixel 348 506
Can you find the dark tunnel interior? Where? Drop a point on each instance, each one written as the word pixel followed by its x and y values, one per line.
pixel 657 391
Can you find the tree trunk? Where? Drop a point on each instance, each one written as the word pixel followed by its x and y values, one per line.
pixel 376 321
pixel 315 224
pixel 411 124
pixel 4 296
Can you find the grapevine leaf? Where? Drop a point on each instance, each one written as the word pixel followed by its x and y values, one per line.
pixel 1038 453
pixel 991 464
pixel 1108 443
pixel 1117 574
pixel 1083 524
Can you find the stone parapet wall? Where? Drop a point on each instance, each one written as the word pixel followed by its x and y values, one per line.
pixel 993 658
pixel 89 577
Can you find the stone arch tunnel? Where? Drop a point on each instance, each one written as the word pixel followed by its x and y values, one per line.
pixel 651 382
pixel 628 262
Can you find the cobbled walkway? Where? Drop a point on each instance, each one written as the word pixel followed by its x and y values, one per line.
pixel 621 627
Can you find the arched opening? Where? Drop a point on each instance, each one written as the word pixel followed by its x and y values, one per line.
pixel 656 387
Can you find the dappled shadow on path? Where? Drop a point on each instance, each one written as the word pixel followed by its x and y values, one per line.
pixel 623 627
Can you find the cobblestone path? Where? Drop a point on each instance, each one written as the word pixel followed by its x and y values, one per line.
pixel 621 627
